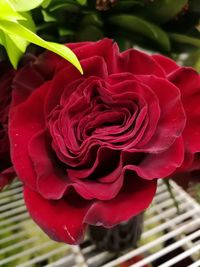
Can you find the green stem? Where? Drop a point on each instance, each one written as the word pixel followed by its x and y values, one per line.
pixel 169 188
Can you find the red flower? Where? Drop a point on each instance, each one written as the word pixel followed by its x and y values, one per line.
pixel 6 170
pixel 90 148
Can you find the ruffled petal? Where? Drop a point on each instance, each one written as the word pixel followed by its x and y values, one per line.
pixel 135 196
pixel 52 179
pixel 172 115
pixel 188 81
pixel 26 120
pixel 167 64
pixel 61 219
pixel 137 62
pixel 158 165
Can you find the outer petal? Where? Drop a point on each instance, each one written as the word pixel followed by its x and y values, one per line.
pixel 172 116
pixel 188 81
pixel 105 48
pixel 167 64
pixel 160 165
pixel 61 219
pixel 135 196
pixel 52 180
pixel 137 62
pixel 26 120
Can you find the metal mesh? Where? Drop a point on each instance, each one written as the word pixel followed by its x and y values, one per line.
pixel 168 239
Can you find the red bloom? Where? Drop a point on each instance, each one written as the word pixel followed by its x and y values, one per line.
pixel 90 148
pixel 6 170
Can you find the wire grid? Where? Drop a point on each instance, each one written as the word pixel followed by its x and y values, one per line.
pixel 169 238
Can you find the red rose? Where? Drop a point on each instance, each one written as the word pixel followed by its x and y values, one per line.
pixel 90 148
pixel 6 170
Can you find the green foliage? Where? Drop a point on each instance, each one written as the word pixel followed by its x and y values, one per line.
pixel 18 30
pixel 24 5
pixel 134 24
pixel 163 11
pixel 165 26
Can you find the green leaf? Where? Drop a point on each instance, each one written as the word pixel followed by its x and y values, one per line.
pixel 82 2
pixel 127 4
pixel 25 5
pixel 8 12
pixel 13 51
pixel 137 25
pixel 164 10
pixel 47 17
pixel 89 33
pixel 17 29
pixel 183 39
pixel 65 32
pixel 68 6
pixel 28 22
pixel 46 3
pixel 20 43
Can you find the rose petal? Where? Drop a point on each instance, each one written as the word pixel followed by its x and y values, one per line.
pixel 47 168
pixel 94 66
pixel 26 120
pixel 172 116
pixel 167 64
pixel 159 165
pixel 105 48
pixel 135 196
pixel 62 219
pixel 137 62
pixel 188 81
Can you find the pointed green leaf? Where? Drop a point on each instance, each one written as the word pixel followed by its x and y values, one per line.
pixel 14 53
pixel 183 39
pixel 48 17
pixel 140 26
pixel 164 10
pixel 25 5
pixel 20 30
pixel 7 12
pixel 82 2
pixel 46 3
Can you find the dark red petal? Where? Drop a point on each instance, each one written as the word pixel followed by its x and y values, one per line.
pixel 74 46
pixel 26 120
pixel 134 198
pixel 167 64
pixel 6 177
pixel 160 165
pixel 52 180
pixel 94 66
pixel 137 62
pixel 26 80
pixel 172 116
pixel 61 219
pixel 105 48
pixel 188 81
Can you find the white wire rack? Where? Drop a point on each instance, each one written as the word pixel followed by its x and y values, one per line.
pixel 169 238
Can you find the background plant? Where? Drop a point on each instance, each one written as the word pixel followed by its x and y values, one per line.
pixel 166 26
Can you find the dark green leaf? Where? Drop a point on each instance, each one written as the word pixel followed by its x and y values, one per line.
pixel 134 24
pixel 184 39
pixel 164 10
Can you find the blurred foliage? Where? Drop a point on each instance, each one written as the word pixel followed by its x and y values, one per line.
pixel 17 29
pixel 166 26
